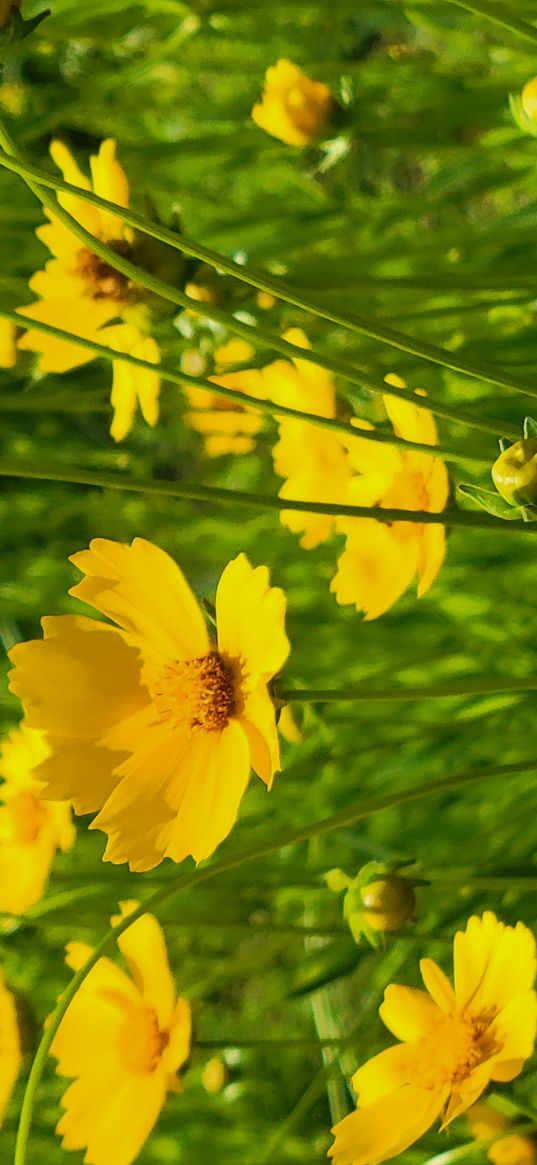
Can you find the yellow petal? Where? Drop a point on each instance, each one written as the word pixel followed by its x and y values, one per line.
pixel 438 986
pixel 375 568
pixel 10 1049
pixel 513 1032
pixel 407 1012
pixel 250 617
pixel 144 949
pixel 111 1116
pixel 431 556
pixel 493 963
pixel 259 723
pixel 110 182
pixel 87 1038
pixel 409 421
pixel 144 591
pixel 384 1073
pixel 88 216
pixel 387 1127
pixel 178 1049
pixel 208 793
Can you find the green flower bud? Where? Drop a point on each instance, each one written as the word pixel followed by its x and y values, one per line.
pixel 389 902
pixel 515 472
pixel 378 900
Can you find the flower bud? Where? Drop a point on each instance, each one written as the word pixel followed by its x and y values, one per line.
pixel 378 900
pixel 529 100
pixel 389 903
pixel 293 108
pixel 515 472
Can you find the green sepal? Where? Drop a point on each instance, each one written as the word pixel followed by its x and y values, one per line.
pixel 504 444
pixel 17 28
pixel 491 501
pixel 529 513
pixel 524 122
pixel 530 427
pixel 337 881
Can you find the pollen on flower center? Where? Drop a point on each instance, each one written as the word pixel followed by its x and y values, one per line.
pixel 460 1044
pixel 197 693
pixel 141 1042
pixel 103 280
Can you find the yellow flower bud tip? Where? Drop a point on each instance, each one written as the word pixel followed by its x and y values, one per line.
pixel 514 473
pixel 388 903
pixel 529 99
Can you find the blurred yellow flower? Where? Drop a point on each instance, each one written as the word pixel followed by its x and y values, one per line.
pixel 80 293
pixel 293 108
pixel 528 99
pixel 312 460
pixel 150 721
pixel 511 1149
pixel 31 829
pixel 227 427
pixel 455 1041
pixel 124 1038
pixel 10 1045
pixel 380 560
pixel 8 349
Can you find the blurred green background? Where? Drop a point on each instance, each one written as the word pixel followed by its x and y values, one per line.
pixel 421 213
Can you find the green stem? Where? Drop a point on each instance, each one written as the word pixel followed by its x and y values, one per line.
pixel 341 820
pixel 261 282
pixel 471 687
pixel 498 15
pixel 193 491
pixel 242 398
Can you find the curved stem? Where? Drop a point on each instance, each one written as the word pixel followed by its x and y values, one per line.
pixel 341 820
pixel 470 687
pixel 499 15
pixel 470 519
pixel 243 398
pixel 260 281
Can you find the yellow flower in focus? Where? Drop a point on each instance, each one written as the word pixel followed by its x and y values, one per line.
pixel 381 560
pixel 512 1149
pixel 31 829
pixel 293 108
pixel 227 427
pixel 124 1038
pixel 454 1042
pixel 8 350
pixel 80 293
pixel 312 460
pixel 10 1045
pixel 150 721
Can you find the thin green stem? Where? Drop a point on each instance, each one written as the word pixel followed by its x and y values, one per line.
pixel 244 399
pixel 261 282
pixel 194 491
pixel 498 15
pixel 341 820
pixel 471 687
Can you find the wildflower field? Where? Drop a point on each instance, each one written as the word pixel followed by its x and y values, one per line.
pixel 268 502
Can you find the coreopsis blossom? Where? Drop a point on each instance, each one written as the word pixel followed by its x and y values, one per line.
pixel 508 1148
pixel 80 293
pixel 293 108
pixel 31 829
pixel 227 427
pixel 313 460
pixel 150 721
pixel 455 1040
pixel 10 1045
pixel 8 348
pixel 380 560
pixel 124 1038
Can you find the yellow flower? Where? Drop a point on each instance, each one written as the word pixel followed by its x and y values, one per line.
pixel 31 829
pixel 8 350
pixel 124 1037
pixel 455 1041
pixel 10 1047
pixel 528 99
pixel 313 460
pixel 293 108
pixel 380 560
pixel 512 1149
pixel 80 293
pixel 227 427
pixel 150 721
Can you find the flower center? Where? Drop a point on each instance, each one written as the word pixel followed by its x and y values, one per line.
pixel 457 1046
pixel 197 693
pixel 141 1042
pixel 103 281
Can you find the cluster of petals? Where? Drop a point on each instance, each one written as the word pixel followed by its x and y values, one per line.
pixel 293 108
pixel 148 721
pixel 455 1041
pixel 80 293
pixel 32 830
pixel 227 427
pixel 123 1038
